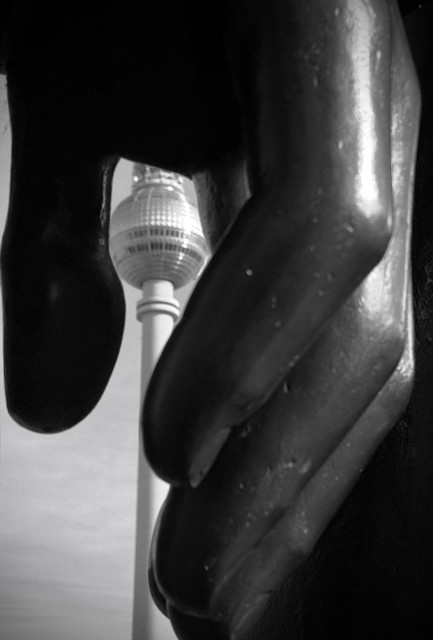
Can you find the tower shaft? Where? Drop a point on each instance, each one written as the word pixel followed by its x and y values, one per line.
pixel 157 311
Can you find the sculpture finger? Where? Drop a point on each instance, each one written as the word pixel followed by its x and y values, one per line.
pixel 186 627
pixel 319 219
pixel 251 533
pixel 267 462
pixel 63 302
pixel 263 569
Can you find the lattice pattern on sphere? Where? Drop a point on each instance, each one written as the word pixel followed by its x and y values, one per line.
pixel 155 234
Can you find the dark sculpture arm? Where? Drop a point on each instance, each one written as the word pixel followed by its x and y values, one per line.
pixel 63 302
pixel 284 471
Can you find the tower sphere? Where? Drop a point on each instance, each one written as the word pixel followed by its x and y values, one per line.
pixel 155 233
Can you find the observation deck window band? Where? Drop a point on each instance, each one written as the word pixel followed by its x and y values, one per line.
pixel 157 248
pixel 159 231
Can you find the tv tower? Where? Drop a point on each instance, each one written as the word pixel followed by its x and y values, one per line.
pixel 157 245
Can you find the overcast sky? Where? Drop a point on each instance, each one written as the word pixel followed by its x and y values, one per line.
pixel 67 501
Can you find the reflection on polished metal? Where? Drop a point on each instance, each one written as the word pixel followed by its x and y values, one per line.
pixel 155 232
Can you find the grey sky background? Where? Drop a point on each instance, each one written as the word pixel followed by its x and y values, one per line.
pixel 67 501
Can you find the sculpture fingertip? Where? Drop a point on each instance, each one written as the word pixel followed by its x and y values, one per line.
pixel 205 455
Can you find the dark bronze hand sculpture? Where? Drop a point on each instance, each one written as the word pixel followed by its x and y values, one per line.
pixel 298 122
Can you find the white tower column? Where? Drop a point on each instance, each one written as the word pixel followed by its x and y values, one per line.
pixel 157 311
pixel 156 239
